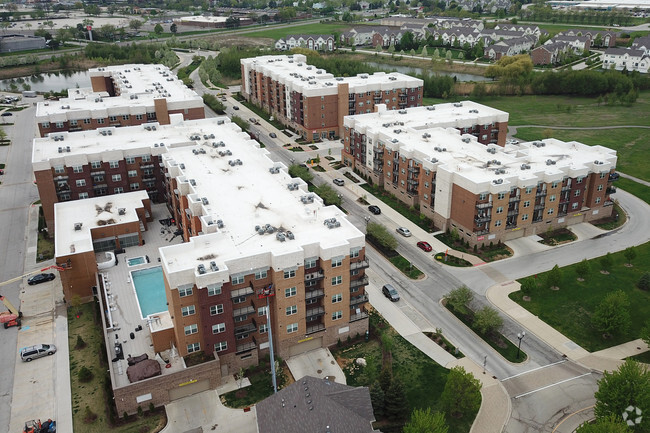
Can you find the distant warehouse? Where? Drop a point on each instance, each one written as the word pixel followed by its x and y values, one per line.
pixel 211 22
pixel 12 43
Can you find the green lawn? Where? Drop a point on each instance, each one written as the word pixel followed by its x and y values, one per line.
pixel 406 267
pixel 569 309
pixel 320 28
pixel 635 188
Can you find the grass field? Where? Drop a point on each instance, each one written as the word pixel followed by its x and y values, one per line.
pixel 320 28
pixel 634 188
pixel 569 309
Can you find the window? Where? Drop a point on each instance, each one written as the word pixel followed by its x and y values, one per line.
pixel 238 279
pixel 218 328
pixel 132 173
pixel 184 291
pixel 114 164
pixel 579 179
pixel 291 291
pixel 500 209
pixel 529 190
pixel 116 177
pixel 497 223
pixel 354 253
pixel 81 182
pixel 337 280
pixel 188 311
pixel 555 183
pixel 550 211
pixel 220 347
pixel 134 186
pixel 59 169
pixel 337 315
pixel 239 299
pixel 191 329
pixel 524 217
pixel 574 205
pixel 73 122
pixel 501 196
pixel 551 198
pixel 600 188
pixel 138 117
pixel 100 121
pixel 125 117
pixel 577 193
pixel 96 164
pixel 78 169
pixel 216 309
pixel 146 158
pixel 112 118
pixel 45 124
pixel 261 311
pixel 151 115
pixel 597 200
pixel 290 311
pixel 337 261
pixel 310 263
pixel 130 160
pixel 118 190
pixel 260 275
pixel 193 347
pixel 482 196
pixel 83 195
pixel 290 274
pixel 337 298
pixel 292 328
pixel 86 121
pixel 263 329
pixel 214 290
pixel 527 203
pixel 602 175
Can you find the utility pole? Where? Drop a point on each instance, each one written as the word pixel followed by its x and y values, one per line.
pixel 267 292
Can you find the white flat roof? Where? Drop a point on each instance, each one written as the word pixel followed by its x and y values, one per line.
pixel 137 85
pixel 293 71
pixel 416 134
pixel 619 4
pixel 202 19
pixel 88 214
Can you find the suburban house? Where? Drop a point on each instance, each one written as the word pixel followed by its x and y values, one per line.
pixel 312 42
pixel 509 47
pixel 626 59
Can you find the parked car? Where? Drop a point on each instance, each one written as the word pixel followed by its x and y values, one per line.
pixel 424 246
pixel 390 292
pixel 404 231
pixel 37 351
pixel 234 107
pixel 2 171
pixel 339 182
pixel 273 135
pixel 40 278
pixel 374 209
pixel 7 113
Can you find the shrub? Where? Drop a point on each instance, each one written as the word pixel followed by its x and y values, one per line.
pixel 85 375
pixel 80 343
pixel 89 416
pixel 644 282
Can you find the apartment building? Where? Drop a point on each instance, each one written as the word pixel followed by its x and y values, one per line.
pixel 122 95
pixel 248 230
pixel 489 193
pixel 94 163
pixel 313 102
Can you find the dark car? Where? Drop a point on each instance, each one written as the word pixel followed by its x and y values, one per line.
pixel 424 246
pixel 40 278
pixel 390 292
pixel 234 107
pixel 6 113
pixel 273 135
pixel 2 171
pixel 374 209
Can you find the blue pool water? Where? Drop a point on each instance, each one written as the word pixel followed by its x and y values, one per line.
pixel 150 290
pixel 135 261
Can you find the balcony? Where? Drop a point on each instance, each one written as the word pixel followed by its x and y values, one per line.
pixel 481 232
pixel 514 199
pixel 361 264
pixel 482 219
pixel 146 165
pixel 246 291
pixel 315 294
pixel 513 212
pixel 245 347
pixel 539 206
pixel 378 150
pixel 248 328
pixel 363 281
pixel 358 299
pixel 315 328
pixel 314 313
pixel 358 316
pixel 486 205
pixel 239 312
pixel 315 276
pixel 541 193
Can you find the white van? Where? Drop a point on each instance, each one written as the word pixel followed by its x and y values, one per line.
pixel 38 351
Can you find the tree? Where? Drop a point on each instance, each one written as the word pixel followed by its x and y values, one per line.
pixel 645 333
pixel 627 386
pixel 606 262
pixel 630 254
pixel 328 194
pixel 377 399
pixel 582 269
pixel 554 277
pixel 75 303
pixel 381 235
pixel 460 298
pixel 611 424
pixel 487 319
pixel 296 170
pixel 395 402
pixel 644 281
pixel 611 315
pixel 385 379
pixel 462 393
pixel 426 421
pixel 135 24
pixel 173 28
pixel 158 29
pixel 527 286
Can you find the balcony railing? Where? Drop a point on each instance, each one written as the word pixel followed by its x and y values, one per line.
pixel 250 327
pixel 358 299
pixel 243 311
pixel 482 219
pixel 315 328
pixel 245 347
pixel 541 193
pixel 361 264
pixel 358 316
pixel 315 294
pixel 481 232
pixel 314 276
pixel 486 205
pixel 514 199
pixel 315 312
pixel 360 282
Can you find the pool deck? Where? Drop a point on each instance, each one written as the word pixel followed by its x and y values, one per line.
pixel 125 311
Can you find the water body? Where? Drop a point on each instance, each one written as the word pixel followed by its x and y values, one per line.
pixel 49 82
pixel 408 70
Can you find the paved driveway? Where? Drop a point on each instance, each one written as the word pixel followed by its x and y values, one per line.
pixel 316 363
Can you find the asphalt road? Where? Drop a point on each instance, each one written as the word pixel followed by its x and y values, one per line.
pixel 17 192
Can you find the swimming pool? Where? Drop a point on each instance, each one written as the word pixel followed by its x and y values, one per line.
pixel 134 261
pixel 150 290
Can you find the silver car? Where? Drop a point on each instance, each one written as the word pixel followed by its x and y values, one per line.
pixel 404 231
pixel 37 351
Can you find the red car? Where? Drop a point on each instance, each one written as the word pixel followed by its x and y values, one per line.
pixel 424 246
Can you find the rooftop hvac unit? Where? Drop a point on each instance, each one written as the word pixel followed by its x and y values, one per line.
pixel 473 111
pixel 162 144
pixel 192 182
pixel 274 170
pixel 201 269
pixel 214 267
pixel 431 108
pixel 220 224
pixel 77 226
pixel 402 111
pixel 290 235
pixel 497 181
pixel 397 131
pixel 205 201
pixel 280 236
pixel 109 132
pixel 182 166
pixel 60 150
pixel 434 160
pixel 466 140
pixel 458 104
pixel 67 149
pixel 155 145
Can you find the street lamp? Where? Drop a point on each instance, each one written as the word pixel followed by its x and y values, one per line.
pixel 520 336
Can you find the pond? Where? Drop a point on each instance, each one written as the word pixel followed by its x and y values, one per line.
pixel 408 70
pixel 48 82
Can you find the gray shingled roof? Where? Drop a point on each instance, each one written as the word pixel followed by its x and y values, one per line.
pixel 313 405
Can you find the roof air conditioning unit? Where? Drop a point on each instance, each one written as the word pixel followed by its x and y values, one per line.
pixel 201 269
pixel 121 211
pixel 77 226
pixel 214 267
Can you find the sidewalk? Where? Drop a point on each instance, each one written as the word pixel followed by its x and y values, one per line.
pixel 604 360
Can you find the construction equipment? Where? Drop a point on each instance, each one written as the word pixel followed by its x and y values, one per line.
pixel 12 317
pixel 35 426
